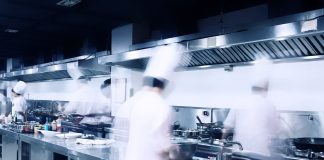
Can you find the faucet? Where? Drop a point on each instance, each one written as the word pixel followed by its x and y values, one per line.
pixel 236 143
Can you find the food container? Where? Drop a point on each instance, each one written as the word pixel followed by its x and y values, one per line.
pixel 190 133
pixel 177 133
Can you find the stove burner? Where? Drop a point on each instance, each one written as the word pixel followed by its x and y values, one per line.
pixel 97 130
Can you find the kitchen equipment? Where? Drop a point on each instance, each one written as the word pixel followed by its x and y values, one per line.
pixel 221 133
pixel 74 118
pixel 245 155
pixel 184 149
pixel 199 120
pixel 307 143
pixel 176 125
pixel 177 133
pixel 190 133
pixel 97 130
pixel 214 130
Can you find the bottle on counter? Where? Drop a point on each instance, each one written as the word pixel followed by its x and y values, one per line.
pixel 59 124
pixel 47 125
pixel 54 125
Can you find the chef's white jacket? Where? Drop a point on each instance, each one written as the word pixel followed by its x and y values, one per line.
pixel 149 128
pixel 19 104
pixel 87 100
pixel 255 123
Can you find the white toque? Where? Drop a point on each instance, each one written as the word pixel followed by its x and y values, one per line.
pixel 164 60
pixel 20 87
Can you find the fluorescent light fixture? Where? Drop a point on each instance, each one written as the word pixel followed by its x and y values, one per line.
pixel 205 66
pixel 285 30
pixel 221 40
pixel 226 46
pixel 68 3
pixel 57 67
pixel 29 71
pixel 312 57
pixel 9 30
pixel 310 25
pixel 281 38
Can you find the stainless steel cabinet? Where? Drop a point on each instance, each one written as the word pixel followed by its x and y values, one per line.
pixel 9 147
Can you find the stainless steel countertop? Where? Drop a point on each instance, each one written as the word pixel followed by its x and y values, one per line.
pixel 66 147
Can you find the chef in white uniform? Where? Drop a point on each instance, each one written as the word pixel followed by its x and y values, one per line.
pixel 256 121
pixel 150 115
pixel 91 102
pixel 19 104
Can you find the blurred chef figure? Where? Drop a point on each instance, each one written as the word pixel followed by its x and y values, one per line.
pixel 19 104
pixel 150 115
pixel 256 122
pixel 90 102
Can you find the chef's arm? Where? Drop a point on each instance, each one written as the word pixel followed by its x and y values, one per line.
pixel 22 114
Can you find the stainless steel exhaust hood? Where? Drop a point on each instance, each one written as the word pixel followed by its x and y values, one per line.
pixel 85 66
pixel 296 38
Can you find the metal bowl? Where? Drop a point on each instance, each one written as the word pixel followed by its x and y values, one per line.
pixel 183 149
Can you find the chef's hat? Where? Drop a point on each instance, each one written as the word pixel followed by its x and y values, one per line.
pixel 20 87
pixel 262 72
pixel 164 61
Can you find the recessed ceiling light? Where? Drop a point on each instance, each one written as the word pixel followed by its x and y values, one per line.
pixel 9 30
pixel 68 3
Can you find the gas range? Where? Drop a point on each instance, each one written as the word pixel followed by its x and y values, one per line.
pixel 217 151
pixel 97 130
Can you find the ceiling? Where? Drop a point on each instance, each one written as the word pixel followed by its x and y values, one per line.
pixel 45 28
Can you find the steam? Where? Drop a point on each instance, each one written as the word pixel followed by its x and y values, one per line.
pixel 87 100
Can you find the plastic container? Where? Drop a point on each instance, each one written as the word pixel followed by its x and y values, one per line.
pixel 54 125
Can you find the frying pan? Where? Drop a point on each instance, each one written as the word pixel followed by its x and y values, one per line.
pixel 314 144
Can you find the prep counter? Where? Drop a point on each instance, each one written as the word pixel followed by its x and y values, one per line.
pixel 20 146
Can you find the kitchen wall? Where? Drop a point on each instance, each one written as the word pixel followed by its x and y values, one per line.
pixel 294 86
pixel 58 90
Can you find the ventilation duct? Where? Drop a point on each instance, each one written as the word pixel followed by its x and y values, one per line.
pixel 83 66
pixel 296 38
